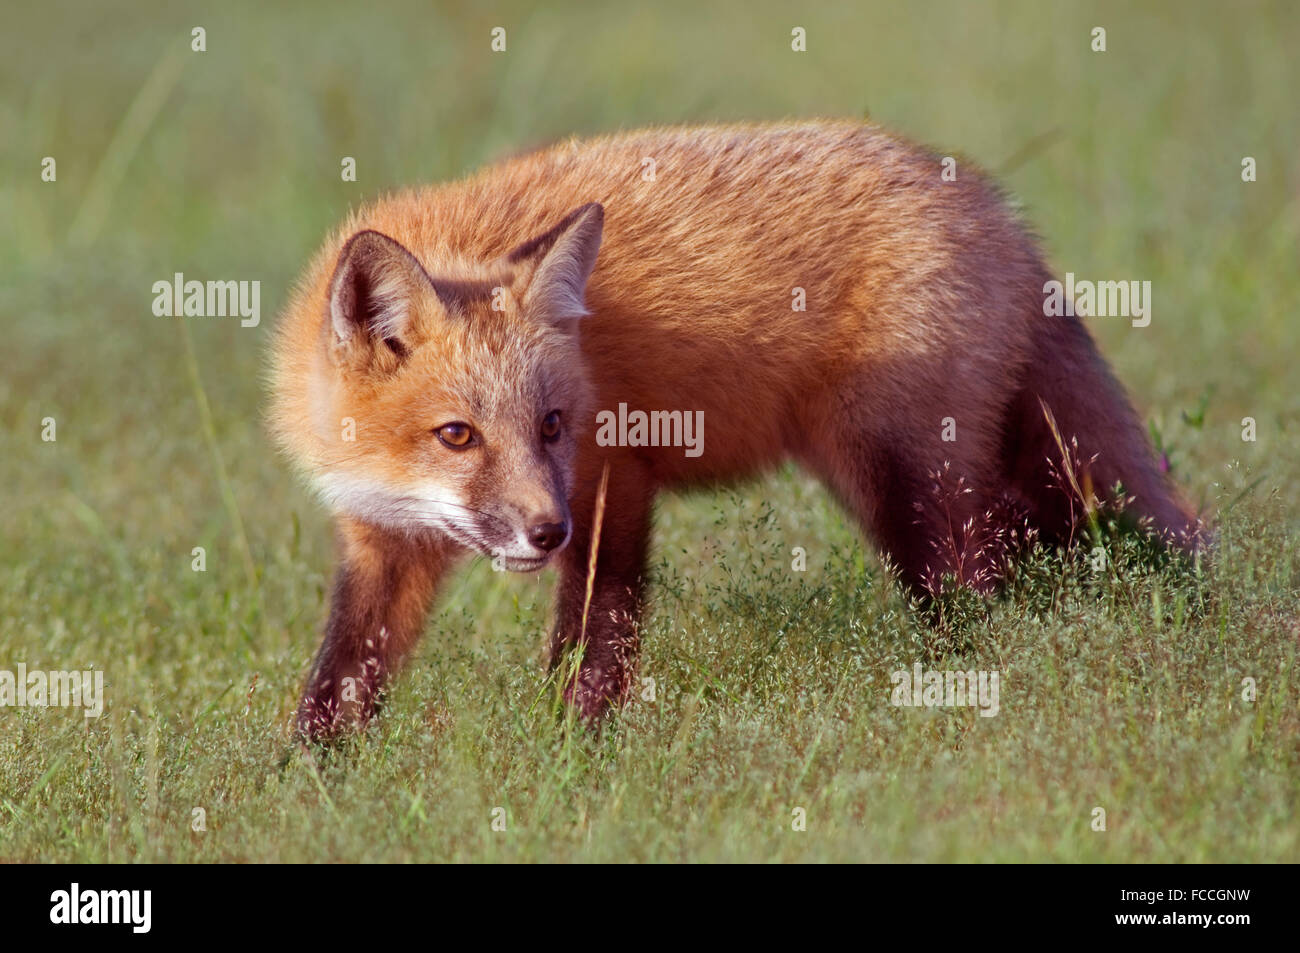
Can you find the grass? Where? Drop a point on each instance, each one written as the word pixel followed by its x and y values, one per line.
pixel 1121 688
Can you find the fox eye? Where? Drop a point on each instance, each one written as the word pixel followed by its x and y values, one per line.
pixel 551 426
pixel 456 435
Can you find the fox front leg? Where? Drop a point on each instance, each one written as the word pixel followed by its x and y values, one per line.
pixel 383 587
pixel 610 642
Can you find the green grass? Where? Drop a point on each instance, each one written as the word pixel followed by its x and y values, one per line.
pixel 1120 689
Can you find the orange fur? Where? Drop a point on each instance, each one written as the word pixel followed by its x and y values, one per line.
pixel 924 300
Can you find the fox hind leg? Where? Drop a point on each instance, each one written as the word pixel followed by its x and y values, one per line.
pixel 932 514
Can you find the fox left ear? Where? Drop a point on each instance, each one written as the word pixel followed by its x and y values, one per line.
pixel 562 260
pixel 370 298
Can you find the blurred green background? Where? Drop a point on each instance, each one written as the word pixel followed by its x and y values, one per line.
pixel 226 164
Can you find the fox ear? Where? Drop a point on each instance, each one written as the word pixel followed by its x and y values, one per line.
pixel 562 260
pixel 371 293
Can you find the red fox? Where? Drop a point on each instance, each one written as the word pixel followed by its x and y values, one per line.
pixel 461 363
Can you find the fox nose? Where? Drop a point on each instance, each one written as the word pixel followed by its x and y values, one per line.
pixel 546 536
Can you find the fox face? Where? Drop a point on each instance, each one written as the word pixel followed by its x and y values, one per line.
pixel 465 398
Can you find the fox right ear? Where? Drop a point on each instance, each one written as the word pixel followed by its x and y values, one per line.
pixel 371 293
pixel 558 263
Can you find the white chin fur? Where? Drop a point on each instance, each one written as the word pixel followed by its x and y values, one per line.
pixel 426 506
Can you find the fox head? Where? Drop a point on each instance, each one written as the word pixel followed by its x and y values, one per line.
pixel 455 403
